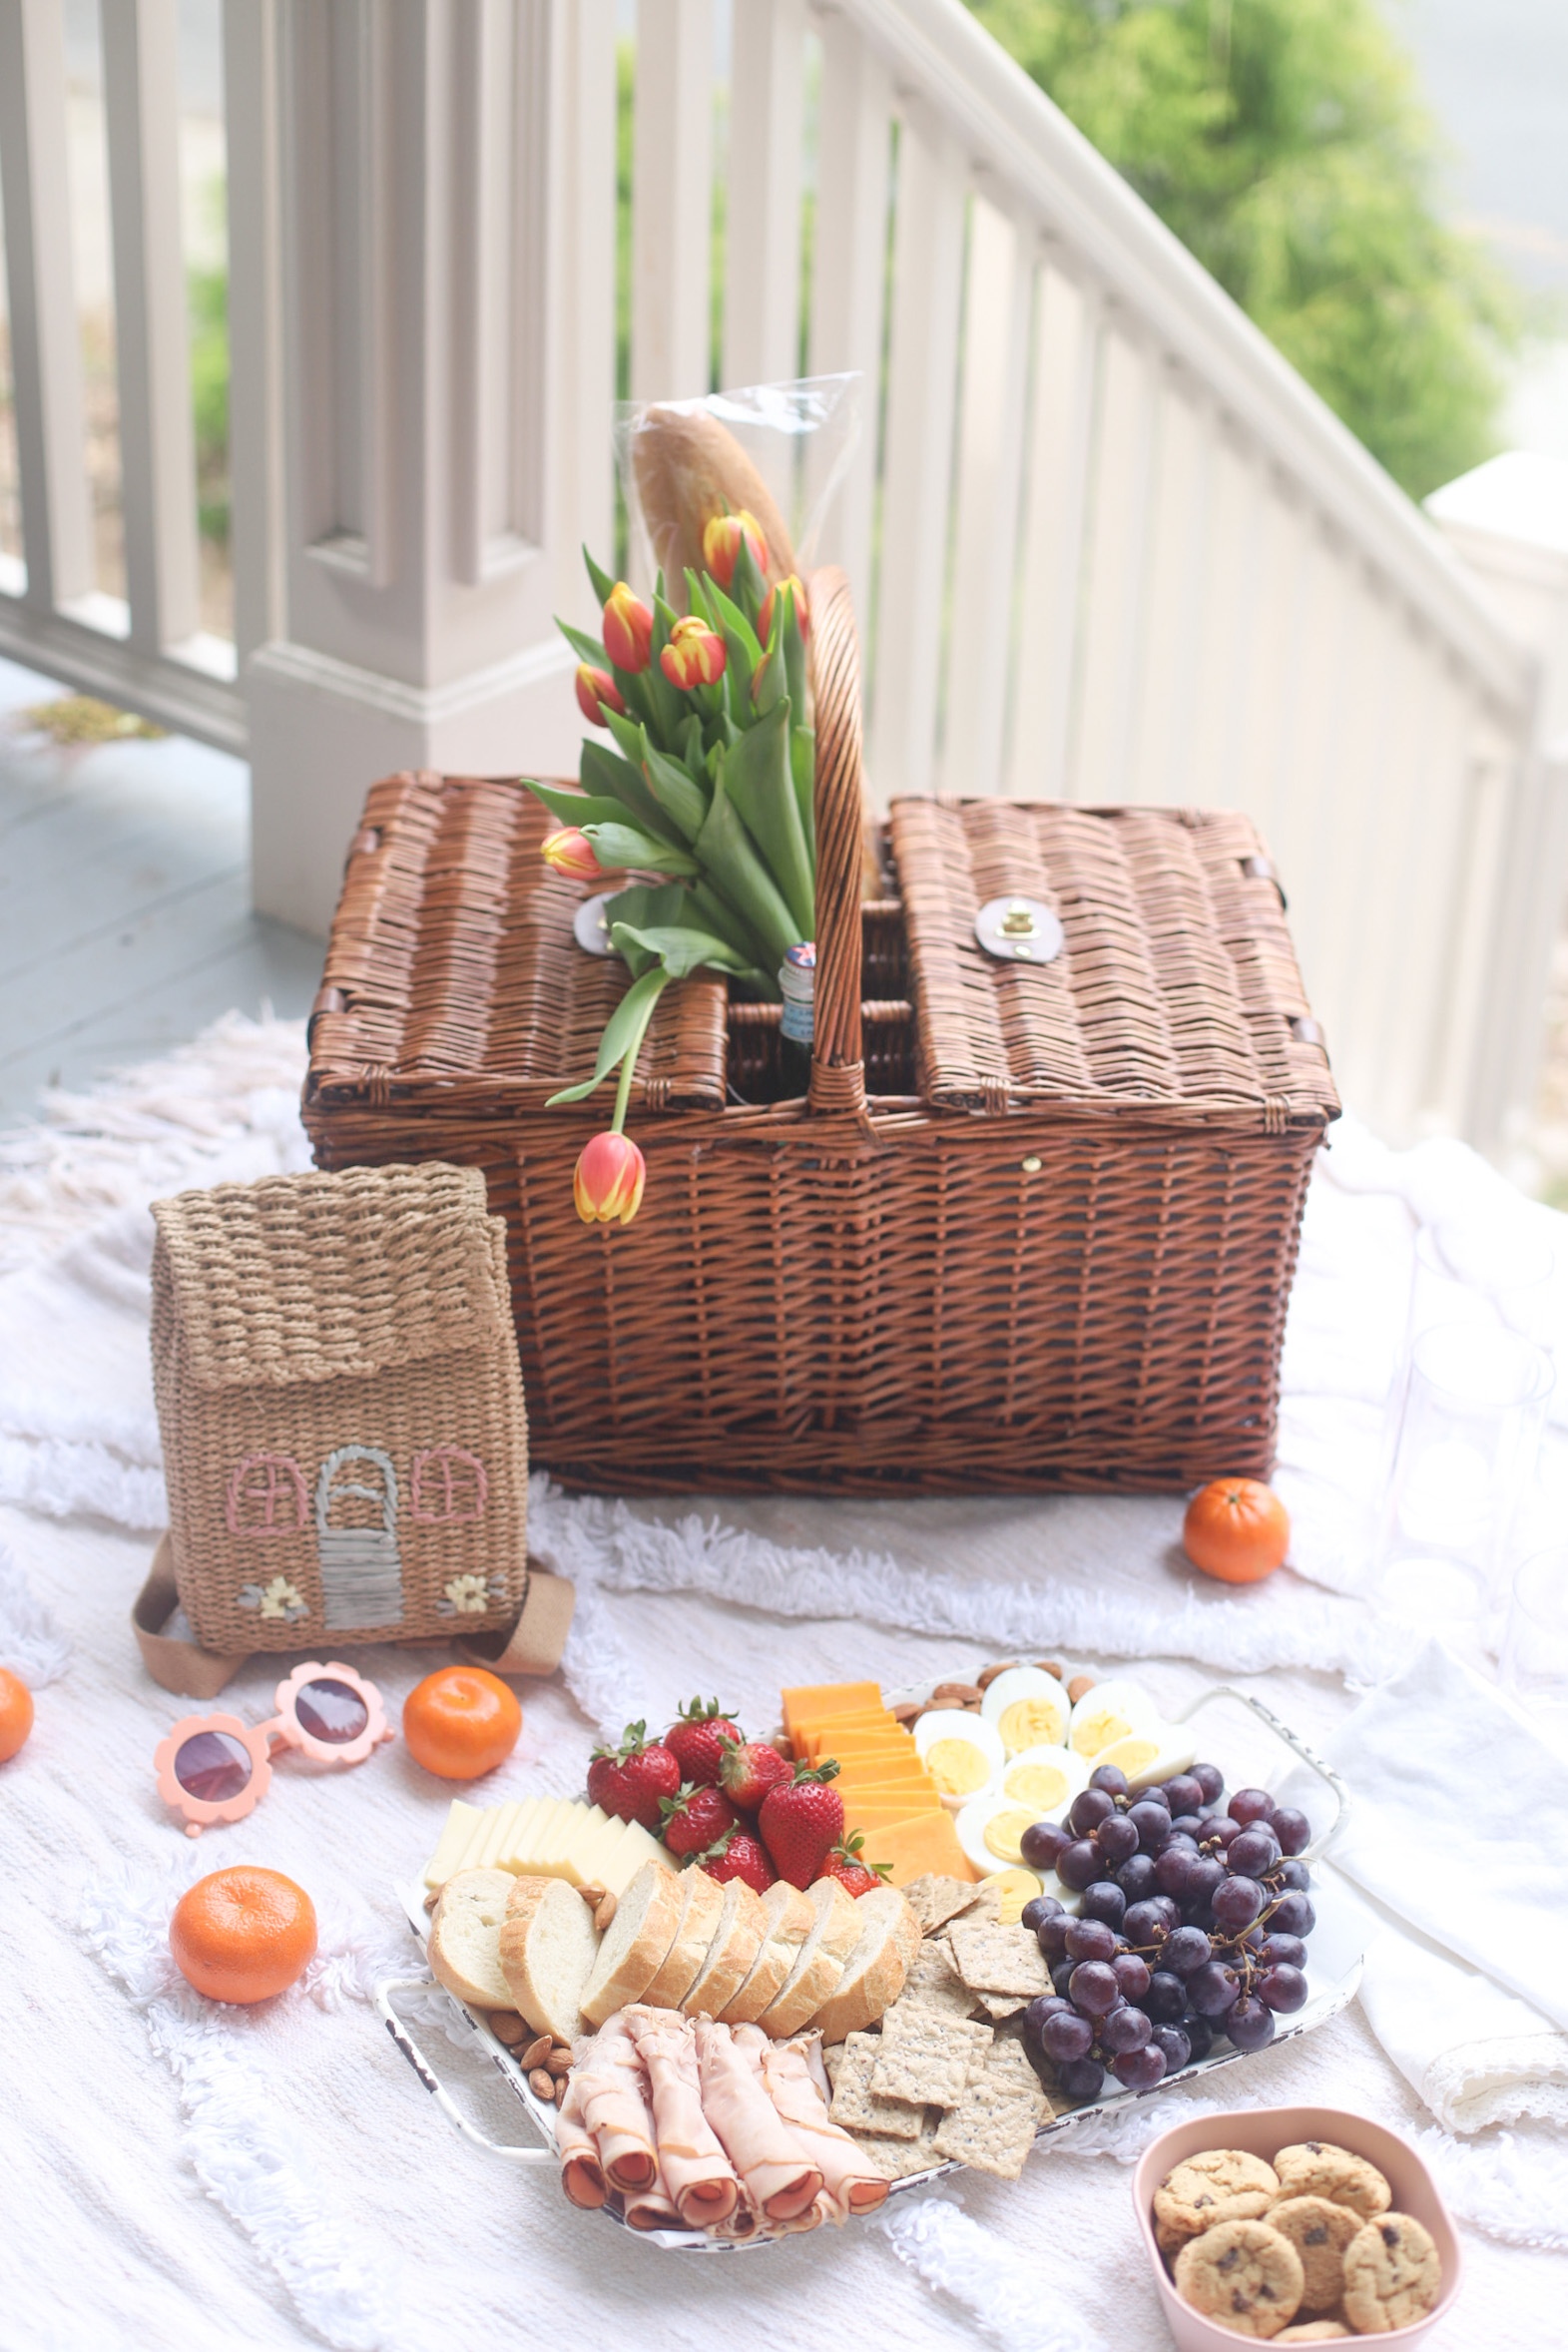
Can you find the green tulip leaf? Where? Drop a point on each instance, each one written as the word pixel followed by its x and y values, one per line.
pixel 734 865
pixel 581 643
pixel 759 783
pixel 570 807
pixel 678 793
pixel 608 777
pixel 680 950
pixel 624 844
pixel 622 1031
pixel 603 586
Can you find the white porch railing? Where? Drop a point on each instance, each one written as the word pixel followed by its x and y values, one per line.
pixel 1105 543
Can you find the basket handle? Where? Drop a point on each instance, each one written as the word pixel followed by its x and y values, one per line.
pixel 837 1069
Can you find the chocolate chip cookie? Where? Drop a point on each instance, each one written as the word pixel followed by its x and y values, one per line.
pixel 1220 2184
pixel 1316 2168
pixel 1392 2276
pixel 1319 2230
pixel 1242 2274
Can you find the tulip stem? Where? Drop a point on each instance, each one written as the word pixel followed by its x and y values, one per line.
pixel 623 1092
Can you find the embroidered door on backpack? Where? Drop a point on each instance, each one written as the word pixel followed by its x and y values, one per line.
pixel 357 1539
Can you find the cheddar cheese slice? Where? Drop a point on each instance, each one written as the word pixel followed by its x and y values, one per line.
pixel 829 1699
pixel 910 1848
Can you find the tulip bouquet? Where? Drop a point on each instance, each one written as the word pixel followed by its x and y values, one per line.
pixel 705 799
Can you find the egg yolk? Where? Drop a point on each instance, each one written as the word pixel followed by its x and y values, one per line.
pixel 1040 1785
pixel 957 1766
pixel 1134 1755
pixel 1029 1723
pixel 1003 1834
pixel 1014 1889
pixel 1095 1732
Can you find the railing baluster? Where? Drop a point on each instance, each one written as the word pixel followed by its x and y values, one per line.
pixel 1115 573
pixel 582 297
pixel 929 240
pixel 848 259
pixel 1066 381
pixel 990 461
pixel 763 248
pixel 46 362
pixel 157 439
pixel 1178 521
pixel 256 476
pixel 672 199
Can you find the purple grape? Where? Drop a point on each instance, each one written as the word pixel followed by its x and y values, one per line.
pixel 1293 1915
pixel 1109 1777
pixel 1152 1796
pixel 1167 1911
pixel 1066 2036
pixel 1062 1974
pixel 1089 1939
pixel 1051 1935
pixel 1174 2045
pixel 1136 1877
pixel 1284 1987
pixel 1124 2030
pixel 1292 1829
pixel 1186 1950
pixel 1189 1825
pixel 1041 1844
pixel 1088 1809
pixel 1212 1989
pixel 1286 1949
pixel 1117 1839
pixel 1210 1779
pixel 1249 2022
pixel 1077 1866
pixel 1200 2033
pixel 1165 1998
pixel 1237 1904
pixel 1184 1792
pixel 1132 1973
pixel 1045 2004
pixel 1207 1873
pixel 1139 2070
pixel 1295 1876
pixel 1220 1830
pixel 1253 1852
pixel 1094 1989
pixel 1145 1925
pixel 1105 1900
pixel 1152 1823
pixel 1250 1805
pixel 1039 1909
pixel 1083 2079
pixel 1173 1869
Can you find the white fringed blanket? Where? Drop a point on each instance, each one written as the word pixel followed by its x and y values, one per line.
pixel 184 2177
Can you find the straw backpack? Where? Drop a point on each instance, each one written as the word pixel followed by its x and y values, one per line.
pixel 344 1440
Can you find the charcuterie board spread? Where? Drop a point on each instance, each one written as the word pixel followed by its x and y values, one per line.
pixel 749 1986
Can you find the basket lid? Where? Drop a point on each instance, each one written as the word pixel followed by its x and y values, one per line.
pixel 322 1277
pixel 1175 989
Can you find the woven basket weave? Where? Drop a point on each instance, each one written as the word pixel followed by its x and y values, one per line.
pixel 1034 1228
pixel 341 1411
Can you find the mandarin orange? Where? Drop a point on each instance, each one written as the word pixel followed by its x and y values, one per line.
pixel 243 1933
pixel 461 1722
pixel 16 1712
pixel 1237 1529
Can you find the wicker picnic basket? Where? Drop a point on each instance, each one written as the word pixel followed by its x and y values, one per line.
pixel 1034 1227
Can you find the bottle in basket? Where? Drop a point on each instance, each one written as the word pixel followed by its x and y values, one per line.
pixel 797 979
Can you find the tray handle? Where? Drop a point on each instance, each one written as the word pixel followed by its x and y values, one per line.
pixel 837 1066
pixel 432 2081
pixel 1298 1747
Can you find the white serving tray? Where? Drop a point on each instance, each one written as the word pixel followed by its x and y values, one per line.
pixel 1334 1971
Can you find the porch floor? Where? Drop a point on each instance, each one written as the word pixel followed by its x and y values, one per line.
pixel 125 915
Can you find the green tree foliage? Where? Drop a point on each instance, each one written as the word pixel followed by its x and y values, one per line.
pixel 1284 144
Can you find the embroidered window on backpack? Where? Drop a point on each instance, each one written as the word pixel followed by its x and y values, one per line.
pixel 267 1497
pixel 448 1486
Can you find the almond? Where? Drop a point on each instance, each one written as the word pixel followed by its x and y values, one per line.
pixel 507 2025
pixel 1051 1666
pixel 1080 1687
pixel 604 1913
pixel 784 1744
pixel 560 2089
pixel 987 1675
pixel 536 2052
pixel 559 2060
pixel 541 2085
pixel 593 1895
pixel 906 1711
pixel 433 1899
pixel 956 1694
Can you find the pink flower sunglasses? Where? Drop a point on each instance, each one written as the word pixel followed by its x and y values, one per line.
pixel 215 1768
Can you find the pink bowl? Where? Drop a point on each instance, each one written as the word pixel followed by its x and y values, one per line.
pixel 1260 2132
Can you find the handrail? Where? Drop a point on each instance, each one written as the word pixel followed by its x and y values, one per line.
pixel 940 56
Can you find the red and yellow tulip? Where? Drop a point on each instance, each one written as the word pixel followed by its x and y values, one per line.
pixel 694 656
pixel 607 1183
pixel 597 691
pixel 628 629
pixel 721 538
pixel 796 591
pixel 571 852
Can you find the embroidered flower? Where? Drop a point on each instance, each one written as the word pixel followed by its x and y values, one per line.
pixel 280 1599
pixel 465 1598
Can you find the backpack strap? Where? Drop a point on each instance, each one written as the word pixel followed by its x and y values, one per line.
pixel 535 1643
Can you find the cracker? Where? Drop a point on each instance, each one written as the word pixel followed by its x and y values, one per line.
pixel 1007 2065
pixel 937 1898
pixel 896 2159
pixel 988 1903
pixel 991 2129
pixel 925 2059
pixel 935 1983
pixel 993 1958
pixel 832 2060
pixel 856 2106
pixel 1000 2005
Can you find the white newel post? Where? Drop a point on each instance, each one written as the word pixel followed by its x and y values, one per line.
pixel 1509 521
pixel 437 204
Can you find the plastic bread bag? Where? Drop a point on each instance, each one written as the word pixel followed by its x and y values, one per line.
pixel 776 451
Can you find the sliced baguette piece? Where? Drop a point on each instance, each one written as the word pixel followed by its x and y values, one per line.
pixel 635 1944
pixel 790 1920
pixel 737 1945
pixel 703 1902
pixel 875 1971
pixel 820 1963
pixel 464 1949
pixel 548 1948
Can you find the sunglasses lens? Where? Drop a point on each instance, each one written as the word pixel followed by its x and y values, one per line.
pixel 212 1766
pixel 332 1710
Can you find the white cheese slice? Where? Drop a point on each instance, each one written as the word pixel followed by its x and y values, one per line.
pixel 502 1821
pixel 630 1849
pixel 463 1823
pixel 515 1844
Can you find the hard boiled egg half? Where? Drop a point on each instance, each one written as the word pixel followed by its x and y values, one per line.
pixel 1154 1753
pixel 1046 1780
pixel 962 1753
pixel 1028 1707
pixel 990 1830
pixel 1107 1714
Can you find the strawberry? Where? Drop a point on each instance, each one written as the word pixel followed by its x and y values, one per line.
pixel 633 1780
pixel 801 1821
pixel 738 1855
pixel 853 1875
pixel 695 1819
pixel 747 1770
pixel 696 1740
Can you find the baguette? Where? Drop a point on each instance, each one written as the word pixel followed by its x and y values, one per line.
pixel 689 469
pixel 464 1949
pixel 820 1963
pixel 874 1973
pixel 703 1900
pixel 733 1952
pixel 636 1942
pixel 790 1920
pixel 548 1948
